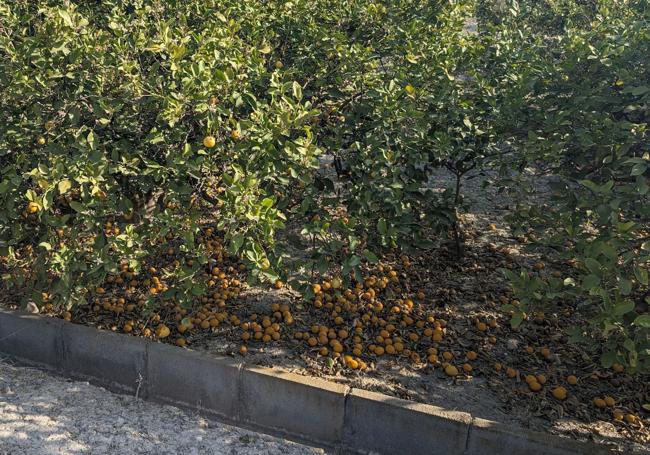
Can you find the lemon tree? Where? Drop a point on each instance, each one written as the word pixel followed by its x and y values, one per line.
pixel 584 119
pixel 124 122
pixel 193 131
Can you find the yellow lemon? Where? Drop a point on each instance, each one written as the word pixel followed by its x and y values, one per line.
pixel 209 142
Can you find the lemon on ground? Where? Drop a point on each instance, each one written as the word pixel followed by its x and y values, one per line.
pixel 451 370
pixel 162 331
pixel 559 393
pixel 631 418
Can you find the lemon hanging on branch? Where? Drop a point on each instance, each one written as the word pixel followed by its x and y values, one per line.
pixel 209 142
pixel 32 207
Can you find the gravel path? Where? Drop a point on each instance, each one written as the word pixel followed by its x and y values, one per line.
pixel 44 414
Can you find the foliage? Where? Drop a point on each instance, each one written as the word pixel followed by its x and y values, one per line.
pixel 585 120
pixel 106 108
pixel 127 124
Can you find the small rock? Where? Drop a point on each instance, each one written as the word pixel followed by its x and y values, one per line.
pixel 32 308
pixel 512 344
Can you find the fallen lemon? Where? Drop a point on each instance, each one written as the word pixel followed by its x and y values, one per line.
pixel 162 331
pixel 559 393
pixel 451 370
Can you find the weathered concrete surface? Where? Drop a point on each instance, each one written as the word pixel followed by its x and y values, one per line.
pixel 32 338
pixel 181 377
pixel 112 360
pixel 303 406
pixel 487 438
pixel 378 423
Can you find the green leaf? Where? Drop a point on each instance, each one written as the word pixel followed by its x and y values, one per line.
pixel 516 320
pixel 297 91
pixel 370 256
pixel 197 289
pixel 625 286
pixel 608 359
pixel 77 206
pixel 91 140
pixel 643 321
pixel 66 17
pixel 593 265
pixel 64 186
pixel 638 90
pixel 590 282
pixel 623 307
pixel 641 274
pixel 381 227
pixel 45 245
pixel 638 169
pixel 236 242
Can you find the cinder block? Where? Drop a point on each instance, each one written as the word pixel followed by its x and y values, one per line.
pixel 114 361
pixel 30 338
pixel 376 423
pixel 304 407
pixel 492 438
pixel 207 384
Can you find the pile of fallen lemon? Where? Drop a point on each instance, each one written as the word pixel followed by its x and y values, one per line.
pixel 357 324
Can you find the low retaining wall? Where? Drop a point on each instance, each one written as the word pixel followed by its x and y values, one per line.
pixel 306 409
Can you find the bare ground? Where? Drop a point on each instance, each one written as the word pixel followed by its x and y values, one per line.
pixel 42 414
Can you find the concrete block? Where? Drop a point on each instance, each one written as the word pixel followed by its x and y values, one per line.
pixel 301 406
pixel 492 438
pixel 376 423
pixel 203 383
pixel 112 360
pixel 31 338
